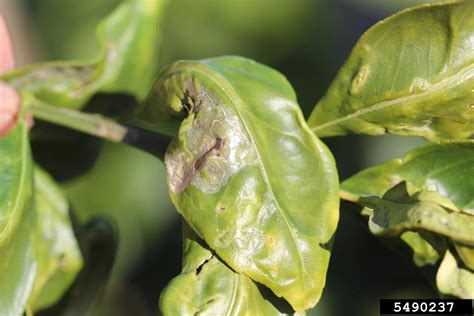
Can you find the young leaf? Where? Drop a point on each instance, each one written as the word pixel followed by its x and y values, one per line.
pixel 56 250
pixel 207 286
pixel 397 212
pixel 246 172
pixel 423 252
pixel 410 74
pixel 127 62
pixel 446 168
pixel 453 280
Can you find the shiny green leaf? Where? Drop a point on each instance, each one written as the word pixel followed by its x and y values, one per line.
pixel 446 168
pixel 246 172
pixel 453 280
pixel 127 62
pixel 410 74
pixel 56 250
pixel 17 219
pixel 207 286
pixel 397 212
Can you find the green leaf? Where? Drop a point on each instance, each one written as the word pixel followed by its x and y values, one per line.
pixel 17 266
pixel 423 252
pixel 246 172
pixel 127 62
pixel 398 212
pixel 466 253
pixel 446 168
pixel 56 250
pixel 207 286
pixel 410 74
pixel 453 280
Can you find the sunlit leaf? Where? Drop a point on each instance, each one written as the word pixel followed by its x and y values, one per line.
pixel 410 74
pixel 127 62
pixel 246 172
pixel 446 168
pixel 207 286
pixel 453 280
pixel 397 212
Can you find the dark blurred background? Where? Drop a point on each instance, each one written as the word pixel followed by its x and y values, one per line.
pixel 306 40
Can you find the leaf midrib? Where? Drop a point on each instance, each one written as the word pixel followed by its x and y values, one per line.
pixel 459 78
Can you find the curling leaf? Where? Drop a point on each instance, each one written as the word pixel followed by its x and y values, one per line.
pixel 127 62
pixel 397 212
pixel 410 74
pixel 446 168
pixel 246 172
pixel 206 286
pixel 453 280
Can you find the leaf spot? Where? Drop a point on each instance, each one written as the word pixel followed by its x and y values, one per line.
pixel 419 85
pixel 359 80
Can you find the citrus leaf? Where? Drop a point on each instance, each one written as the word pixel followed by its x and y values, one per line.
pixel 206 286
pixel 453 280
pixel 247 174
pixel 127 63
pixel 397 212
pixel 423 252
pixel 17 266
pixel 446 168
pixel 410 74
pixel 56 250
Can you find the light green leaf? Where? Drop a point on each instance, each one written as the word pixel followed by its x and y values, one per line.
pixel 397 212
pixel 17 266
pixel 206 286
pixel 246 172
pixel 410 74
pixel 127 62
pixel 423 252
pixel 453 280
pixel 56 250
pixel 446 168
pixel 466 253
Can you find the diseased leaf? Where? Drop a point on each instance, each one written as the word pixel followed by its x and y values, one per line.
pixel 397 212
pixel 246 172
pixel 410 74
pixel 453 280
pixel 446 168
pixel 127 62
pixel 56 250
pixel 206 286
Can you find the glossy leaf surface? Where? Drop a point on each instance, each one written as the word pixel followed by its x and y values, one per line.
pixel 246 172
pixel 206 286
pixel 446 168
pixel 410 74
pixel 129 38
pixel 17 220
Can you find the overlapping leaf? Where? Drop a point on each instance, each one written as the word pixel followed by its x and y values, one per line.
pixel 454 280
pixel 410 74
pixel 127 63
pixel 446 168
pixel 246 172
pixel 207 286
pixel 56 250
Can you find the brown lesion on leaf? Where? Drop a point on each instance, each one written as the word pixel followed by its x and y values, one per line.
pixel 193 171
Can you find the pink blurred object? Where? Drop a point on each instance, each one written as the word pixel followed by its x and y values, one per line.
pixel 9 98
